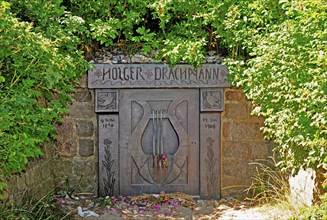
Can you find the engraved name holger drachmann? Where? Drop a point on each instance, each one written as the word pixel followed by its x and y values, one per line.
pixel 157 75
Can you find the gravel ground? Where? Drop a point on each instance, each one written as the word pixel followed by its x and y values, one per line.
pixel 166 206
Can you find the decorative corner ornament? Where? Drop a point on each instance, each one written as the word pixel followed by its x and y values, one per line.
pixel 106 100
pixel 212 100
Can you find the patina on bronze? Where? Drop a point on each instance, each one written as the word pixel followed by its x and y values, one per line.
pixel 163 126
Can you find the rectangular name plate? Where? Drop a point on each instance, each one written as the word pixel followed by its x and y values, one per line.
pixel 157 76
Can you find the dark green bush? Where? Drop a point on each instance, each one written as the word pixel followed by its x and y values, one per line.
pixel 39 61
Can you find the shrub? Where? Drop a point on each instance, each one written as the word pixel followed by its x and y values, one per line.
pixel 280 61
pixel 39 62
pixel 318 211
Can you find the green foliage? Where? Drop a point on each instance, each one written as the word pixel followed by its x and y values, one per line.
pixel 109 21
pixel 315 212
pixel 285 73
pixel 39 61
pixel 276 51
pixel 178 29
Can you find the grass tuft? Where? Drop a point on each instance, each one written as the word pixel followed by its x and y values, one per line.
pixel 47 208
pixel 270 187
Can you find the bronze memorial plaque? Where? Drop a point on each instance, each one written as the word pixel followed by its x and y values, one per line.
pixel 159 128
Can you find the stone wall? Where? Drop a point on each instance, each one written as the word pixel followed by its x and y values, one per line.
pixel 74 162
pixel 70 162
pixel 241 143
pixel 36 182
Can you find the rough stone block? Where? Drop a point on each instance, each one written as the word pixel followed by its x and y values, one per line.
pixel 86 147
pixel 232 185
pixel 62 168
pixel 235 95
pixel 84 167
pixel 246 131
pixel 82 82
pixel 37 173
pixel 65 129
pixel 46 170
pixel 67 148
pixel 234 167
pixel 229 182
pixel 20 182
pixel 260 150
pixel 49 150
pixel 84 128
pixel 226 130
pixel 254 167
pixel 236 149
pixel 236 111
pixel 232 191
pixel 89 184
pixel 30 178
pixel 82 110
pixel 83 95
pixel 44 187
pixel 86 170
pixel 32 192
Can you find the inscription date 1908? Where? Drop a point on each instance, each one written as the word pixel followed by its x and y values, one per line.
pixel 210 123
